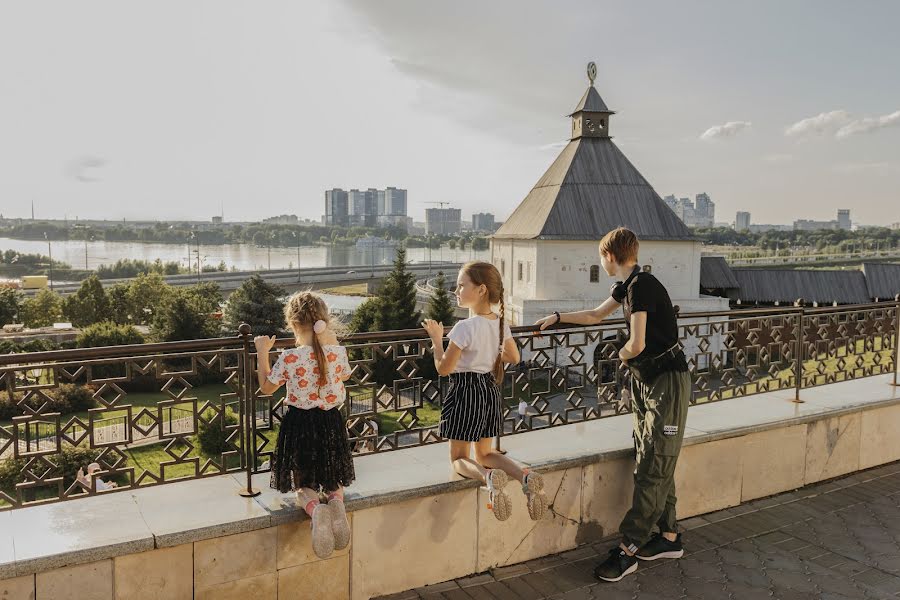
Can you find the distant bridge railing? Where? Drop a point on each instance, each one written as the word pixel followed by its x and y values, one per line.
pixel 182 410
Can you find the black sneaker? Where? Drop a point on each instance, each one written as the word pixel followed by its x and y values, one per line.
pixel 617 566
pixel 660 547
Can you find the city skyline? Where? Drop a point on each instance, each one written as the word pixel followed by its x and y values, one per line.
pixel 256 135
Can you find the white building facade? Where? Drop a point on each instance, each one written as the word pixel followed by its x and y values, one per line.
pixel 547 251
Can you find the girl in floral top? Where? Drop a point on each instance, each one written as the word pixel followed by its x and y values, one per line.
pixel 312 454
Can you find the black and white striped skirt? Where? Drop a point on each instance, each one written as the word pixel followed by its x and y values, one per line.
pixel 472 408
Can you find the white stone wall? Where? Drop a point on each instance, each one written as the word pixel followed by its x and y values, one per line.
pixel 561 269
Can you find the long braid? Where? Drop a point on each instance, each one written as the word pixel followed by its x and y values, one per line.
pixel 314 314
pixel 498 364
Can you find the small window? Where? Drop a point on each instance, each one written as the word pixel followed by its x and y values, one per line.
pixel 503 268
pixel 595 273
pixel 520 270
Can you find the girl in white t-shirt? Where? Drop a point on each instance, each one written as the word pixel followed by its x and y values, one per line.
pixel 472 412
pixel 312 453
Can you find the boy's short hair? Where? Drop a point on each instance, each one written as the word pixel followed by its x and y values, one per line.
pixel 622 244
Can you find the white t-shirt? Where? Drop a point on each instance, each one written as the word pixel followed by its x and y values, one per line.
pixel 479 339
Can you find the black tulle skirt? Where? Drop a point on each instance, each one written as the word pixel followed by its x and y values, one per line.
pixel 313 451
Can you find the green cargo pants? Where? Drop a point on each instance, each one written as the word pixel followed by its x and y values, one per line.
pixel 660 412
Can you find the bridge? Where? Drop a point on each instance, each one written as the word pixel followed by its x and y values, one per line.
pixel 290 279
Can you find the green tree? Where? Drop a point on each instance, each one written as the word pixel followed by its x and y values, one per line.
pixel 88 305
pixel 365 316
pixel 147 294
pixel 119 306
pixel 42 310
pixel 185 316
pixel 397 306
pixel 108 333
pixel 440 306
pixel 10 300
pixel 258 304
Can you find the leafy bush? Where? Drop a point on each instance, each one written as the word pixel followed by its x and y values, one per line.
pixel 213 437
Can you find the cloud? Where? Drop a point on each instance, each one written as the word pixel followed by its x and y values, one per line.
pixel 823 123
pixel 869 124
pixel 865 167
pixel 554 146
pixel 728 130
pixel 778 158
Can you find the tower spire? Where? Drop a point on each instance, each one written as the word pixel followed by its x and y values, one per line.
pixel 591 117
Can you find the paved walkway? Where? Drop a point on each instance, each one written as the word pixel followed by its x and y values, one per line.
pixel 834 540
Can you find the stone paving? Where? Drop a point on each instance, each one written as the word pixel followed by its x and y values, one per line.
pixel 834 540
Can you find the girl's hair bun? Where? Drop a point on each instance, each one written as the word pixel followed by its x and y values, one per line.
pixel 320 326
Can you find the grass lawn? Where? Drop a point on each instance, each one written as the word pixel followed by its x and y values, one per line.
pixel 360 289
pixel 139 400
pixel 428 415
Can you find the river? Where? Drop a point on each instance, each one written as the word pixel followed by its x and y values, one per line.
pixel 244 257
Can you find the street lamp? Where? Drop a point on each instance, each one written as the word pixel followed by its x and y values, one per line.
pixel 86 240
pixel 50 257
pixel 297 235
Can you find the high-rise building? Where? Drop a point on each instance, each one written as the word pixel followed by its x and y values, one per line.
pixel 363 207
pixel 705 210
pixel 843 218
pixel 443 221
pixel 742 221
pixel 336 207
pixel 699 214
pixel 483 222
pixel 394 202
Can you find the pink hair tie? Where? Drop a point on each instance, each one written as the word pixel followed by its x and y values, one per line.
pixel 320 327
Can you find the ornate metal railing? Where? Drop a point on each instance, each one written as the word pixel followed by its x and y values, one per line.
pixel 158 413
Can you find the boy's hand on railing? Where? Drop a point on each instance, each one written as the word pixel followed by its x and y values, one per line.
pixel 546 322
pixel 434 329
pixel 264 343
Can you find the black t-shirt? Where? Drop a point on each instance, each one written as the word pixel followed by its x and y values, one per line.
pixel 646 293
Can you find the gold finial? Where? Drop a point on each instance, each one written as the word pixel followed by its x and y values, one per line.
pixel 592 72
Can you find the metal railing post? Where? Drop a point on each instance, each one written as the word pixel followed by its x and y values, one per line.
pixel 896 335
pixel 798 358
pixel 249 414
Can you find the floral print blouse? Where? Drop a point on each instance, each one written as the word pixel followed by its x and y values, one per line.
pixel 297 368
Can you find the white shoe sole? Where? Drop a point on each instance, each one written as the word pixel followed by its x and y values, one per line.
pixel 670 554
pixel 322 532
pixel 339 524
pixel 628 571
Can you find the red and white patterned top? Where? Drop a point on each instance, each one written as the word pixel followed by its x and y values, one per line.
pixel 297 368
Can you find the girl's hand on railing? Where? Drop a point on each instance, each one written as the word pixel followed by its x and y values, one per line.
pixel 264 343
pixel 435 330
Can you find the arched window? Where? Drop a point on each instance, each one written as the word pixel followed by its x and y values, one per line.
pixel 595 273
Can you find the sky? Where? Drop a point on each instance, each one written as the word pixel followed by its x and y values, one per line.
pixel 179 110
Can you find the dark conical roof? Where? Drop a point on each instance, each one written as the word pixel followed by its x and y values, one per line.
pixel 589 190
pixel 591 102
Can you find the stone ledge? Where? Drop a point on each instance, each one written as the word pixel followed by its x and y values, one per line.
pixel 47 537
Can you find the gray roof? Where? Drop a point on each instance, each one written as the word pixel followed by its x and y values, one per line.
pixel 589 190
pixel 591 102
pixel 715 273
pixel 882 279
pixel 787 285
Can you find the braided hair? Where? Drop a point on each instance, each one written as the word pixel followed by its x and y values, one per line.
pixel 303 309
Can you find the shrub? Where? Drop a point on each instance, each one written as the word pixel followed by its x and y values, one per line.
pixel 213 437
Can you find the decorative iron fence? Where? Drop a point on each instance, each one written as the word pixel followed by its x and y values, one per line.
pixel 174 411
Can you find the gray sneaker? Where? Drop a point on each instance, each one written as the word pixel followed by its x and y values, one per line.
pixel 339 523
pixel 322 531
